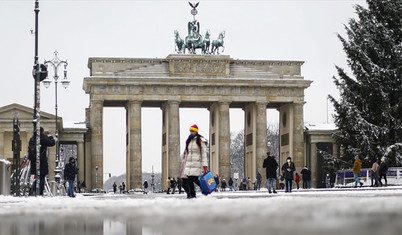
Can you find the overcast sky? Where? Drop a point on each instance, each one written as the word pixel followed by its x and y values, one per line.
pixel 261 30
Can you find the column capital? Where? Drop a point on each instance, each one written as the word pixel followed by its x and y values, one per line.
pixel 224 102
pixel 96 102
pixel 261 102
pixel 174 101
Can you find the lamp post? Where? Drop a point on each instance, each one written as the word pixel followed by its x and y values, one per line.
pixel 55 63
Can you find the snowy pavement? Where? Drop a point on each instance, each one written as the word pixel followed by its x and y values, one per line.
pixel 336 211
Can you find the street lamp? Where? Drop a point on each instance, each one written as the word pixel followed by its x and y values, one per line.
pixel 55 63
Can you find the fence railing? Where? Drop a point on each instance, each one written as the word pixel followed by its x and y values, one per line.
pixel 345 177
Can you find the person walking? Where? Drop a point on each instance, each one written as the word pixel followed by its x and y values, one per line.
pixel 374 174
pixel 306 176
pixel 223 185
pixel 173 184
pixel 297 180
pixel 270 166
pixel 195 160
pixel 230 184
pixel 179 184
pixel 168 185
pixel 357 165
pixel 258 181
pixel 217 181
pixel 288 168
pixel 249 183
pixel 114 187
pixel 383 171
pixel 124 187
pixel 145 184
pixel 45 142
pixel 327 181
pixel 70 170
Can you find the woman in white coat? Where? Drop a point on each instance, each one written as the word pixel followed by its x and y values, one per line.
pixel 194 162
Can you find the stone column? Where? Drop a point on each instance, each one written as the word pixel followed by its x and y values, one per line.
pixel 261 139
pixel 313 165
pixel 2 144
pixel 81 160
pixel 213 141
pixel 96 125
pixel 173 138
pixel 224 140
pixel 134 164
pixel 170 141
pixel 298 136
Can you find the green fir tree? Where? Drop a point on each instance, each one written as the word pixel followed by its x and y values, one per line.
pixel 369 111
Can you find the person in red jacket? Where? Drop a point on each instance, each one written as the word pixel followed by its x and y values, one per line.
pixel 297 180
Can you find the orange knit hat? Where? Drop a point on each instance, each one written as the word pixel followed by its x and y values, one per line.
pixel 194 128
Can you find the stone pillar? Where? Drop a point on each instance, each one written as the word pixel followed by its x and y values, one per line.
pixel 2 144
pixel 224 140
pixel 173 138
pixel 314 165
pixel 261 139
pixel 170 141
pixel 81 160
pixel 134 165
pixel 298 136
pixel 250 114
pixel 96 125
pixel 285 133
pixel 213 141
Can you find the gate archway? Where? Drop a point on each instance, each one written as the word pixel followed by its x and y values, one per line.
pixel 215 82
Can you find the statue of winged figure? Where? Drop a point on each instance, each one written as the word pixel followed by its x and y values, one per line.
pixel 194 6
pixel 194 39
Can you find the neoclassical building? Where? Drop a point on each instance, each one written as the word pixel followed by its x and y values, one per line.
pixel 69 135
pixel 213 82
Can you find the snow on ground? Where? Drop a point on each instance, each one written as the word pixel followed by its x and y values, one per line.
pixel 335 211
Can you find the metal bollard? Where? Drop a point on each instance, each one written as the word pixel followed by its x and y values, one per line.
pixel 5 177
pixel 53 189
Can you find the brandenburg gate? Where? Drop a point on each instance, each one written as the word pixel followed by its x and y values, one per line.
pixel 214 82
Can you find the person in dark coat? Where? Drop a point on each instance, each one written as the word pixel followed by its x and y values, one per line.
pixel 270 166
pixel 383 171
pixel 223 185
pixel 288 168
pixel 173 184
pixel 179 184
pixel 145 187
pixel 230 184
pixel 258 181
pixel 45 142
pixel 114 187
pixel 70 170
pixel 306 176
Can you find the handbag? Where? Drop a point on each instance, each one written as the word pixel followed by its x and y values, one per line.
pixel 207 183
pixel 183 165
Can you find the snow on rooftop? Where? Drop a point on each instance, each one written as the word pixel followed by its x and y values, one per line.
pixel 320 127
pixel 74 125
